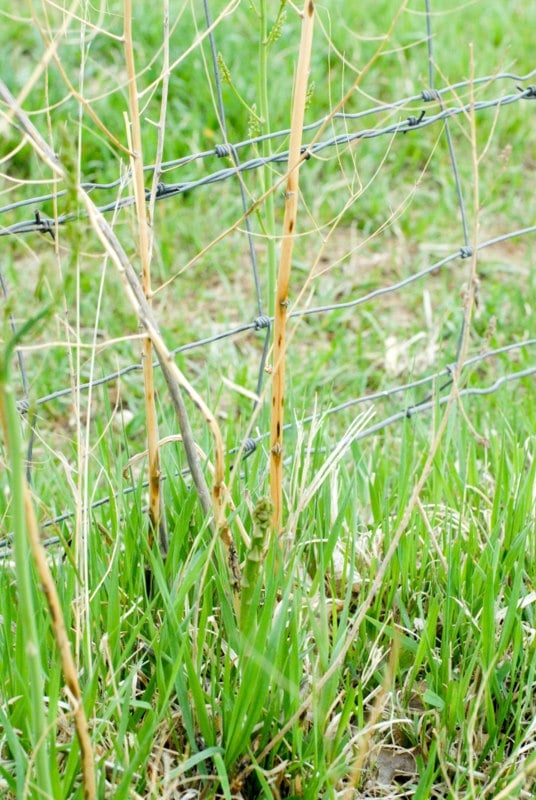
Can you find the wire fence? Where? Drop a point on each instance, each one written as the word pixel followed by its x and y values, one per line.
pixel 413 122
pixel 411 119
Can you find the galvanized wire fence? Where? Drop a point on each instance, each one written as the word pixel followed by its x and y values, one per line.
pixel 433 107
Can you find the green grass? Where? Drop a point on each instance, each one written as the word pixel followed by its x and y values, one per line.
pixel 316 680
pixel 177 672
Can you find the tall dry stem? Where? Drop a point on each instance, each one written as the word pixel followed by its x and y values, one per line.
pixel 452 401
pixel 156 518
pixel 283 278
pixel 175 380
pixel 61 637
pixel 27 531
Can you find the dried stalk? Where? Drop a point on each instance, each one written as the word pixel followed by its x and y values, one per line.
pixel 62 640
pixel 283 278
pixel 453 399
pixel 174 378
pixel 366 737
pixel 156 516
pixel 26 524
pixel 161 126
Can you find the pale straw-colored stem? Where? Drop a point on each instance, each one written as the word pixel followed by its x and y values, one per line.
pixel 64 647
pixel 156 521
pixel 174 378
pixel 453 399
pixel 283 278
pixel 26 530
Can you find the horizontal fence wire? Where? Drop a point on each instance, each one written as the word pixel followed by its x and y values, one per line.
pixel 259 322
pixel 251 443
pixel 413 123
pixel 416 119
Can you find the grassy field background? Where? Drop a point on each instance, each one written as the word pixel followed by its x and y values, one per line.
pixel 385 644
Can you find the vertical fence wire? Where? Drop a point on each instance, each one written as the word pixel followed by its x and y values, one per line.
pixel 262 321
pixel 466 251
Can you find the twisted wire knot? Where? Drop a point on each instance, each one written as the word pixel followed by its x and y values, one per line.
pixel 44 225
pixel 23 406
pixel 223 150
pixel 428 95
pixel 529 93
pixel 250 445
pixel 413 121
pixel 261 322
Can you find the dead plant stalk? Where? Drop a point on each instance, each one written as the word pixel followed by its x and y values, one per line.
pixel 9 421
pixel 175 380
pixel 283 277
pixel 156 520
pixel 453 400
pixel 68 665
